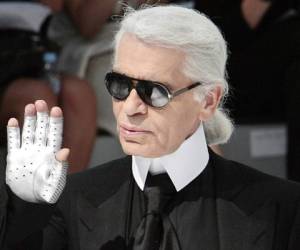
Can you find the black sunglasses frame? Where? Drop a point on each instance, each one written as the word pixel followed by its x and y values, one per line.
pixel 170 95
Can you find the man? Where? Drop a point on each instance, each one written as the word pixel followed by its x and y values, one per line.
pixel 171 192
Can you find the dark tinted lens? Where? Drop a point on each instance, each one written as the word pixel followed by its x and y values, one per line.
pixel 118 86
pixel 153 94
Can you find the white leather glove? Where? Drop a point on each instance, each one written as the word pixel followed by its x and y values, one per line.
pixel 32 171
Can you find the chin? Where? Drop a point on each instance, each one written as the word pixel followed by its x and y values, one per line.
pixel 130 148
pixel 138 150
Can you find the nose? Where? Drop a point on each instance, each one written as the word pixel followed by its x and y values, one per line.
pixel 134 105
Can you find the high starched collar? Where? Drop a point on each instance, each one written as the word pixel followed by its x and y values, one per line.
pixel 182 166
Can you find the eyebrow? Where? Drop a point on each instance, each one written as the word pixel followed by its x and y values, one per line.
pixel 144 79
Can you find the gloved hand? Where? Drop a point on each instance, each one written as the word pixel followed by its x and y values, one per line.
pixel 33 171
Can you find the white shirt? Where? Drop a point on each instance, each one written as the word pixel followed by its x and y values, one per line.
pixel 182 166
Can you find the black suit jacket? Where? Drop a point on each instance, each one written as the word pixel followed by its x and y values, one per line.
pixel 253 210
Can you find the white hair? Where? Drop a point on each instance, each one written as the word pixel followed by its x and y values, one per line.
pixel 201 42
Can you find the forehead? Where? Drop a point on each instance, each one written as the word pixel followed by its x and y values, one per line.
pixel 141 60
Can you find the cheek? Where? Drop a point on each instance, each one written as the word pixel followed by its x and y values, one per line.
pixel 175 136
pixel 162 137
pixel 116 109
pixel 168 137
pixel 182 125
pixel 160 143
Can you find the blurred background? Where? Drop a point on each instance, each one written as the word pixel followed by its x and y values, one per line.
pixel 60 51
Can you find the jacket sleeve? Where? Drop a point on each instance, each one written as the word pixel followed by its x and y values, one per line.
pixel 32 226
pixel 3 214
pixel 294 241
pixel 55 234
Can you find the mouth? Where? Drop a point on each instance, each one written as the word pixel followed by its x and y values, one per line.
pixel 128 130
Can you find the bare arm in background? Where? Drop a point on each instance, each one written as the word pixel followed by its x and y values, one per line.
pixel 88 16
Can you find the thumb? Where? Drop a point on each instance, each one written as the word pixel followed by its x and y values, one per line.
pixel 63 154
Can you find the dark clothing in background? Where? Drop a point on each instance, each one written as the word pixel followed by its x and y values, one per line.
pixel 263 67
pixel 21 51
pixel 258 59
pixel 21 54
pixel 228 206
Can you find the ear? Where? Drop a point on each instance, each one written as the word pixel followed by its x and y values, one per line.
pixel 210 103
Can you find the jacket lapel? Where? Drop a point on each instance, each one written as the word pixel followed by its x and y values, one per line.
pixel 103 226
pixel 245 218
pixel 239 231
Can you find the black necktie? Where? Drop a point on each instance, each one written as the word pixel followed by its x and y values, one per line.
pixel 156 232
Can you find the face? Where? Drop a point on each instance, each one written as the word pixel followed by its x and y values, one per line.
pixel 144 130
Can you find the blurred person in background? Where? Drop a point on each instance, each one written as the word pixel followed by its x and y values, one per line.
pixel 23 44
pixel 264 64
pixel 55 22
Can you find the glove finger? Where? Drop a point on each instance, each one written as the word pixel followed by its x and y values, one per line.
pixel 41 129
pixel 28 131
pixel 54 139
pixel 13 138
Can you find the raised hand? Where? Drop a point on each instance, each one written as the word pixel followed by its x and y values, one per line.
pixel 36 166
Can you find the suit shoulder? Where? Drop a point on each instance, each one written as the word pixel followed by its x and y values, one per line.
pixel 252 182
pixel 111 173
pixel 96 184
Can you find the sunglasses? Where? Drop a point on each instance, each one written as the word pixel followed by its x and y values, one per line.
pixel 154 94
